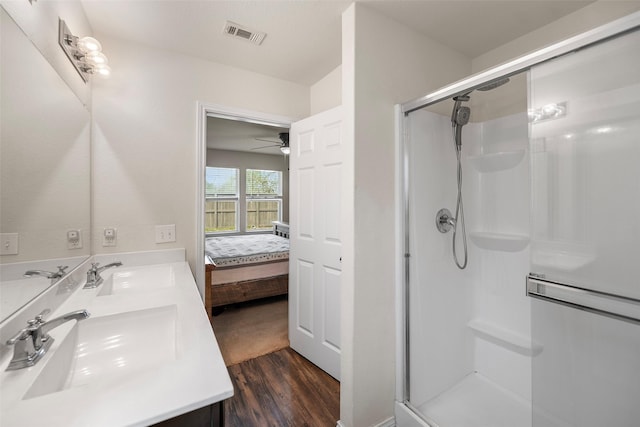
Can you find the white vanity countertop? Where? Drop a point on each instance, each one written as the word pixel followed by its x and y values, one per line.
pixel 194 376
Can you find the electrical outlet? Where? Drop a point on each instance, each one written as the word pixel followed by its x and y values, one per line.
pixel 165 233
pixel 74 239
pixel 8 243
pixel 109 236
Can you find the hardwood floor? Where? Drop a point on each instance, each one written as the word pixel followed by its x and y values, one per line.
pixel 282 389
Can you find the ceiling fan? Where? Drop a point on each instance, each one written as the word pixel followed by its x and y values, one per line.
pixel 283 143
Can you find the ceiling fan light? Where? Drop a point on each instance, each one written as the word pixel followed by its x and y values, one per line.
pixel 285 149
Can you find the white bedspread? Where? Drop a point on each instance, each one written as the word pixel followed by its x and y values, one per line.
pixel 246 249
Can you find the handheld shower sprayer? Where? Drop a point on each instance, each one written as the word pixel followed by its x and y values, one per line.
pixel 459 117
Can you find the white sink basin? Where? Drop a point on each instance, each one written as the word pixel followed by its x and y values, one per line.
pixel 108 348
pixel 138 279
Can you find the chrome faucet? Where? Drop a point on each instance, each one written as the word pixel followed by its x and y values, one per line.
pixel 93 275
pixel 48 274
pixel 32 342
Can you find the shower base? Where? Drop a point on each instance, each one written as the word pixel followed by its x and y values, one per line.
pixel 476 401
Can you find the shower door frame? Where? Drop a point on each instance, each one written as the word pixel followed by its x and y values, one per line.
pixel 405 413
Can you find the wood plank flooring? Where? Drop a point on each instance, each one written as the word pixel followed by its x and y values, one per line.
pixel 282 389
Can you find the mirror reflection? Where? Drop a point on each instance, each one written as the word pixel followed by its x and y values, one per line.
pixel 45 167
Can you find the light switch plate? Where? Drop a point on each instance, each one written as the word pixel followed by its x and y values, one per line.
pixel 165 233
pixel 8 243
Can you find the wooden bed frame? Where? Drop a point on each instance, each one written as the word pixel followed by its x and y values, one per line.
pixel 230 293
pixel 222 294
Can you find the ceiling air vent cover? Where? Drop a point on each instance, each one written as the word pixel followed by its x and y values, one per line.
pixel 236 30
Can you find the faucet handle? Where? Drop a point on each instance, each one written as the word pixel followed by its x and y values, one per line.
pixel 34 323
pixel 40 317
pixel 61 269
pixel 21 335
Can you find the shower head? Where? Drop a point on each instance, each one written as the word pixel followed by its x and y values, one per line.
pixel 494 84
pixel 459 117
pixel 462 115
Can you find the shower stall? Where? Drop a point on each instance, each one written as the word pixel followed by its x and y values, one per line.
pixel 520 298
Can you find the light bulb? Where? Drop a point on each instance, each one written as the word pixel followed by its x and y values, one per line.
pixel 103 70
pixel 285 149
pixel 550 109
pixel 96 58
pixel 89 44
pixel 604 129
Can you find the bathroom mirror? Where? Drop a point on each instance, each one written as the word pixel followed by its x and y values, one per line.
pixel 45 171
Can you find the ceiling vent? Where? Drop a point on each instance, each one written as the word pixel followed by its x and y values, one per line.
pixel 235 30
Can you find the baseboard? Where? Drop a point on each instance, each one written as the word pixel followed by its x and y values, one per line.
pixel 390 422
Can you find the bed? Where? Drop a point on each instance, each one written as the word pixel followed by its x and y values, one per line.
pixel 247 267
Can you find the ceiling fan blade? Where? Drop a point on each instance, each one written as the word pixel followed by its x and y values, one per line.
pixel 266 146
pixel 274 142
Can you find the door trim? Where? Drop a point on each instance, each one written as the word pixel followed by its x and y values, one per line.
pixel 205 110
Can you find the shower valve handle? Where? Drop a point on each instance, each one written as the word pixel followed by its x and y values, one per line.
pixel 444 220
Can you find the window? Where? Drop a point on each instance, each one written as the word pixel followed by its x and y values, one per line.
pixel 263 199
pixel 221 206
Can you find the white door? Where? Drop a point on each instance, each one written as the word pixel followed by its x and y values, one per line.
pixel 315 238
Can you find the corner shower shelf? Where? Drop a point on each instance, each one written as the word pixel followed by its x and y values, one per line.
pixel 505 337
pixel 495 162
pixel 499 241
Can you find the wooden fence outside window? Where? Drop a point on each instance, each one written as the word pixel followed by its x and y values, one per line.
pixel 221 216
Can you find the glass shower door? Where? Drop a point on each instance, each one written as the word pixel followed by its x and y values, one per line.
pixel 584 115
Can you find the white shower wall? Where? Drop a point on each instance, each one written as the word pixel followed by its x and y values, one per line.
pixel 441 296
pixel 477 319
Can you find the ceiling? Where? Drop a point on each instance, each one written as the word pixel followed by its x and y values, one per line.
pixel 303 42
pixel 475 27
pixel 236 135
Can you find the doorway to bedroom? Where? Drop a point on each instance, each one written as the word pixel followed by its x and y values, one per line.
pixel 243 188
pixel 246 215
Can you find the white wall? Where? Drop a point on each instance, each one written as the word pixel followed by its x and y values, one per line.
pixel 591 16
pixel 442 296
pixel 144 136
pixel 392 65
pixel 327 92
pixel 244 161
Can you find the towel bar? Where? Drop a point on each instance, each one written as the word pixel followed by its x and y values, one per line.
pixel 614 306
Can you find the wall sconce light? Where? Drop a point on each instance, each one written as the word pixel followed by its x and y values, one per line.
pixel 85 53
pixel 285 149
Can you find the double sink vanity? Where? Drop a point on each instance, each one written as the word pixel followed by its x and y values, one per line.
pixel 135 349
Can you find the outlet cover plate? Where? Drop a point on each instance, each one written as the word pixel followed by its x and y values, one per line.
pixel 74 239
pixel 8 243
pixel 109 236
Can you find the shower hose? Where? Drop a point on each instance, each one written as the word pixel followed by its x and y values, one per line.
pixel 459 216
